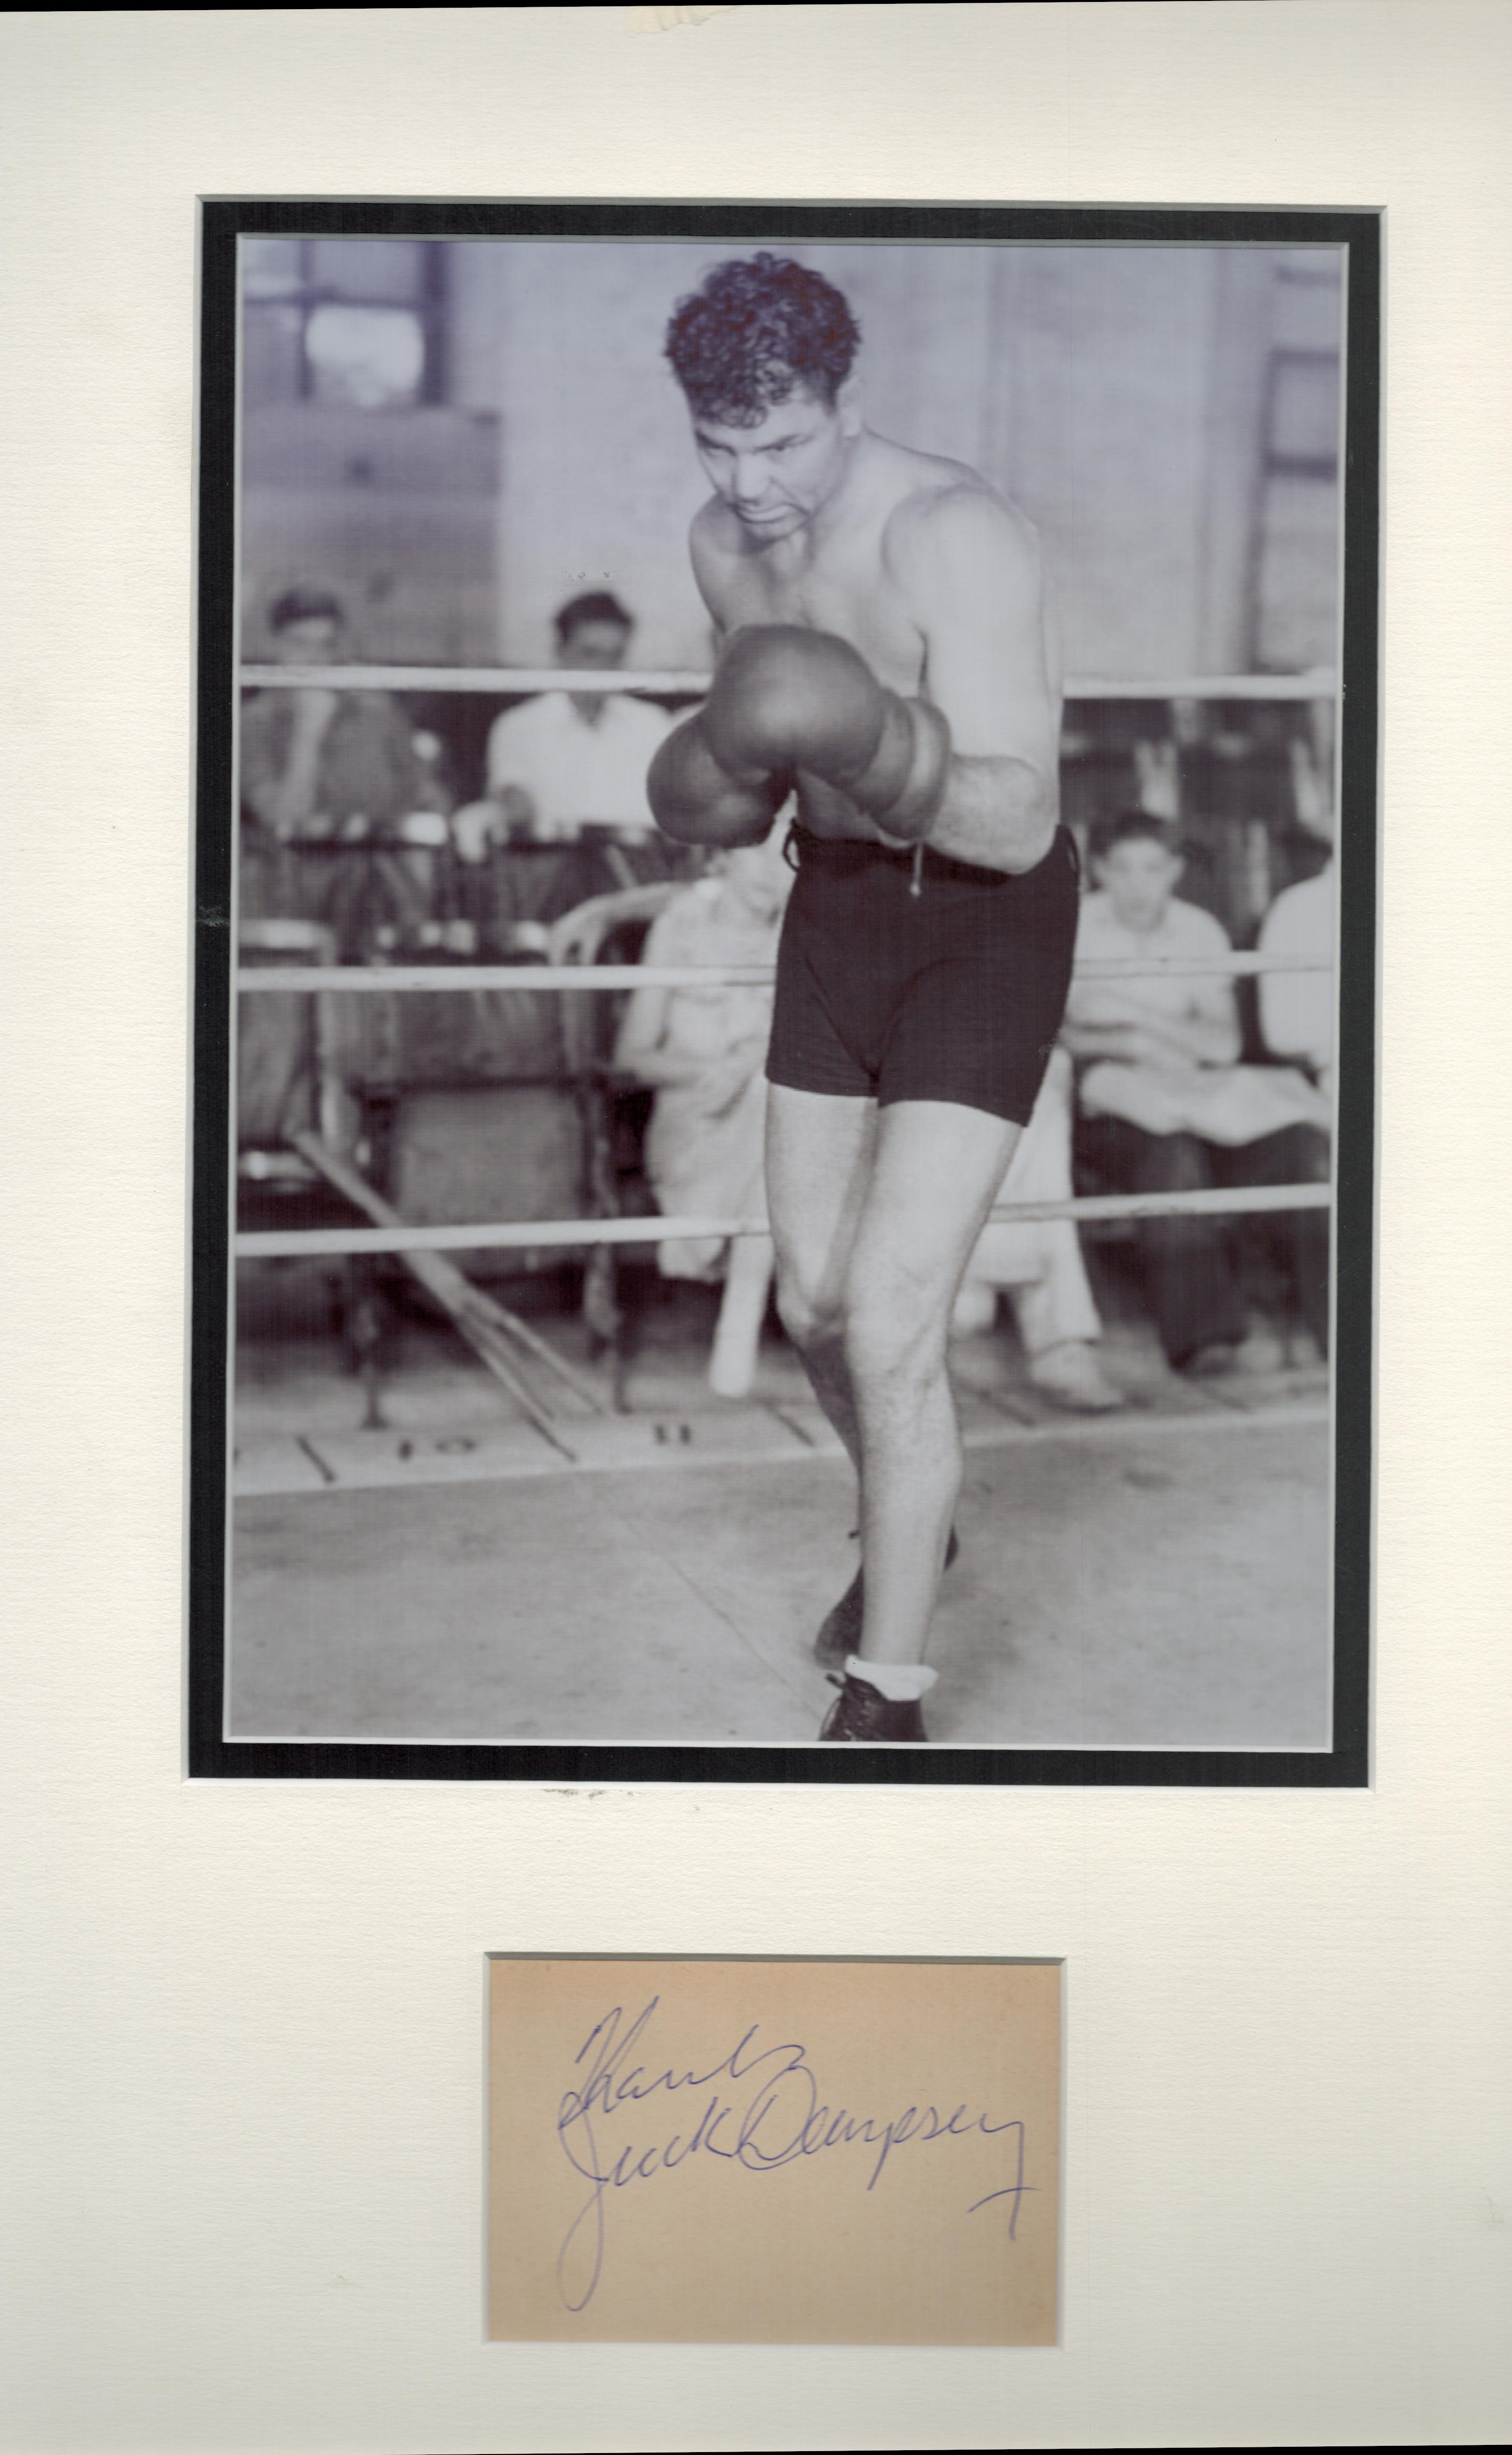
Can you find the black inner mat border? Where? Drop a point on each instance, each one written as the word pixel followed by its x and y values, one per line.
pixel 223 220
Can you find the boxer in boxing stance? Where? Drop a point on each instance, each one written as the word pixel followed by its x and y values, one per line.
pixel 883 652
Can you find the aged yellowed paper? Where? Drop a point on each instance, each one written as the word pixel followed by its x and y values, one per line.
pixel 773 2152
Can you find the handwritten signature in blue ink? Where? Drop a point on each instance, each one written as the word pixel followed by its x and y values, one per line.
pixel 764 2111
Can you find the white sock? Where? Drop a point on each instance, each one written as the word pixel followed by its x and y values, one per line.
pixel 904 1682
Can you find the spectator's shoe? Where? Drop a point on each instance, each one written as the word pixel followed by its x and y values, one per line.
pixel 1210 1363
pixel 841 1633
pixel 1262 1351
pixel 1070 1375
pixel 862 1712
pixel 975 1310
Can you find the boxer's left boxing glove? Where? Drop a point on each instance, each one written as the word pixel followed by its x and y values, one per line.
pixel 785 697
pixel 696 800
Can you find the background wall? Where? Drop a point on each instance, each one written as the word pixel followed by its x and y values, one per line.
pixel 1133 400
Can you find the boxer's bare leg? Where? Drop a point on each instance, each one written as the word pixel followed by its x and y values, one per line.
pixel 818 1166
pixel 875 1217
pixel 935 1176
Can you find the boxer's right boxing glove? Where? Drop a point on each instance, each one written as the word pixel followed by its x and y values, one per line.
pixel 787 696
pixel 696 801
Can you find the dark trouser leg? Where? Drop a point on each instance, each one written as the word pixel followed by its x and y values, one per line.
pixel 1297 1239
pixel 561 880
pixel 1192 1286
pixel 352 899
pixel 535 883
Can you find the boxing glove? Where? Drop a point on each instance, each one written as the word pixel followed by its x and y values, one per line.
pixel 694 799
pixel 786 697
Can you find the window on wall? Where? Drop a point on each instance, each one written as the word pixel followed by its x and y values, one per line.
pixel 1295 591
pixel 356 323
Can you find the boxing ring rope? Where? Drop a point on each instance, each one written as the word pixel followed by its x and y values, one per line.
pixel 520 1236
pixel 365 980
pixel 508 682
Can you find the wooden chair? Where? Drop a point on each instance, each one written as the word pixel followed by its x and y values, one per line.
pixel 589 1018
pixel 288 1081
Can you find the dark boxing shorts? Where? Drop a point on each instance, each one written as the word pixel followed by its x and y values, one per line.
pixel 954 993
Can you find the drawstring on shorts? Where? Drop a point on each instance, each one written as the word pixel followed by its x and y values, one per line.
pixel 794 854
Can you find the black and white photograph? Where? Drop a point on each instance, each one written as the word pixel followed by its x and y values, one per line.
pixel 786 1013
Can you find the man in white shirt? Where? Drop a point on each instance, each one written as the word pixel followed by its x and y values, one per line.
pixel 572 758
pixel 1296 1022
pixel 1152 1050
pixel 1297 1008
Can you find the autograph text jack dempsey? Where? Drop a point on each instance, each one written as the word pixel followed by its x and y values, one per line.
pixel 759 2107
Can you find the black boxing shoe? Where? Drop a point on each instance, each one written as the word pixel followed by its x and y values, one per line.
pixel 841 1633
pixel 862 1712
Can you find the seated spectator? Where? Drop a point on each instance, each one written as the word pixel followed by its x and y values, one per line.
pixel 332 767
pixel 1297 1021
pixel 1297 1008
pixel 1165 1105
pixel 571 759
pixel 1039 1262
pixel 705 1051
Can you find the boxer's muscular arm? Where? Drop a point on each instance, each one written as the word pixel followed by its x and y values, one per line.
pixel 693 799
pixel 711 566
pixel 968 570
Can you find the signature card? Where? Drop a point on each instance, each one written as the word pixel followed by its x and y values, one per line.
pixel 823 2152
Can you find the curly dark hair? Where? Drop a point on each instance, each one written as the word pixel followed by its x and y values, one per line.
pixel 598 606
pixel 305 602
pixel 752 332
pixel 1130 826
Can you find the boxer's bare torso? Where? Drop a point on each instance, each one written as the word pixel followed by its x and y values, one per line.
pixel 933 578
